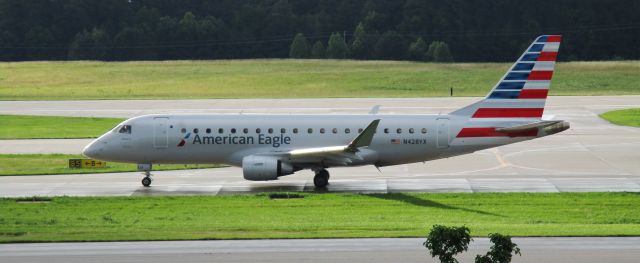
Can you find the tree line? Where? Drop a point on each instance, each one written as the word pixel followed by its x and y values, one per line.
pixel 426 30
pixel 384 48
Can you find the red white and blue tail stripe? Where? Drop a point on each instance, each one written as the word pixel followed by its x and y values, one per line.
pixel 522 91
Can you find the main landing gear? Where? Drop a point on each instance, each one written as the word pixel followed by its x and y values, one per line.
pixel 321 179
pixel 146 181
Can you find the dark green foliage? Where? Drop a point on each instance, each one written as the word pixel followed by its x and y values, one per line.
pixel 491 30
pixel 337 47
pixel 439 52
pixel 418 49
pixel 299 47
pixel 362 46
pixel 445 242
pixel 501 251
pixel 391 45
pixel 318 50
pixel 90 45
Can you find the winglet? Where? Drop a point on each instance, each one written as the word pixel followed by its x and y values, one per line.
pixel 374 109
pixel 365 138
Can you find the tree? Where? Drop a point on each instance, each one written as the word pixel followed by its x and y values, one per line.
pixel 318 50
pixel 501 251
pixel 299 47
pixel 92 45
pixel 445 242
pixel 337 47
pixel 439 52
pixel 390 46
pixel 358 46
pixel 38 37
pixel 418 49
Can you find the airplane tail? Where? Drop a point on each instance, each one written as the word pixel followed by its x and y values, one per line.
pixel 522 91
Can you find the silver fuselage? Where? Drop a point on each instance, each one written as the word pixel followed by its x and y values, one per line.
pixel 399 139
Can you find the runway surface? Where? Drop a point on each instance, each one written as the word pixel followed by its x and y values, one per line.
pixel 223 181
pixel 553 249
pixel 593 155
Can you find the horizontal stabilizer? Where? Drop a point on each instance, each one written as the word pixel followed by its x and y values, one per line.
pixel 526 127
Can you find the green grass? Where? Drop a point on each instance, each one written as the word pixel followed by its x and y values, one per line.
pixel 35 164
pixel 628 117
pixel 318 216
pixel 46 127
pixel 274 78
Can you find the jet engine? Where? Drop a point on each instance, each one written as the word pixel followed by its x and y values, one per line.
pixel 264 168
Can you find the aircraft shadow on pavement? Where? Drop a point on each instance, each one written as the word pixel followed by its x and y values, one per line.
pixel 409 199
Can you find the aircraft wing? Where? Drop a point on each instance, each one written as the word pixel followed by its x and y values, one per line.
pixel 341 153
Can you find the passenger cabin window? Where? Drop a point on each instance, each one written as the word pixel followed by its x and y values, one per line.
pixel 295 130
pixel 270 130
pixel 125 129
pixel 310 130
pixel 208 130
pixel 360 130
pixel 399 131
pixel 321 130
pixel 347 130
pixel 411 130
pixel 283 130
pixel 221 130
pixel 258 130
pixel 195 130
pixel 183 130
pixel 335 130
pixel 245 130
pixel 424 130
pixel 386 130
pixel 233 130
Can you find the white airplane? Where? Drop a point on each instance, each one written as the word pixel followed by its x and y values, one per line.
pixel 270 146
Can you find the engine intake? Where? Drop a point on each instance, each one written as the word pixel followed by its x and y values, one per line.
pixel 264 168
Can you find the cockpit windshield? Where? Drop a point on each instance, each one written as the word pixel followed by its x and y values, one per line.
pixel 125 129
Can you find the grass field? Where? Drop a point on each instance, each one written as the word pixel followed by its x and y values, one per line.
pixel 23 164
pixel 47 127
pixel 628 117
pixel 291 79
pixel 317 215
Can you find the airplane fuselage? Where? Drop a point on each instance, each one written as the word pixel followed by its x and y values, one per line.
pixel 228 139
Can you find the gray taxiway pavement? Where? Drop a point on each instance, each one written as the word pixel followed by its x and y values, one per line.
pixel 593 155
pixel 369 250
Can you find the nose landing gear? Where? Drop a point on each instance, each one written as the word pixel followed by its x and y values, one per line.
pixel 146 181
pixel 321 179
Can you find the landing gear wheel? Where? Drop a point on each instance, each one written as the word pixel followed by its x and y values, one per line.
pixel 321 179
pixel 146 182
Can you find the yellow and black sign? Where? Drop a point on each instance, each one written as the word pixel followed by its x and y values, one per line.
pixel 86 163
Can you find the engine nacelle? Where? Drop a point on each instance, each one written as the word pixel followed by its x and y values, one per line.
pixel 264 168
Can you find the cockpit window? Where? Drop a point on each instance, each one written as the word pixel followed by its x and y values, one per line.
pixel 125 129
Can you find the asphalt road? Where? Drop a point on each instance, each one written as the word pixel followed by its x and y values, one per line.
pixel 553 249
pixel 593 155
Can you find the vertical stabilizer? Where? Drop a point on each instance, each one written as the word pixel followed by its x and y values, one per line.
pixel 522 91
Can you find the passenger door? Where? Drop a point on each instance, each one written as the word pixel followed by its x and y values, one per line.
pixel 160 132
pixel 442 135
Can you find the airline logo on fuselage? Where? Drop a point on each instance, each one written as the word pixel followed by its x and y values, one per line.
pixel 262 139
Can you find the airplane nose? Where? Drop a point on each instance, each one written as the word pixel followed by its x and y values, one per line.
pixel 92 150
